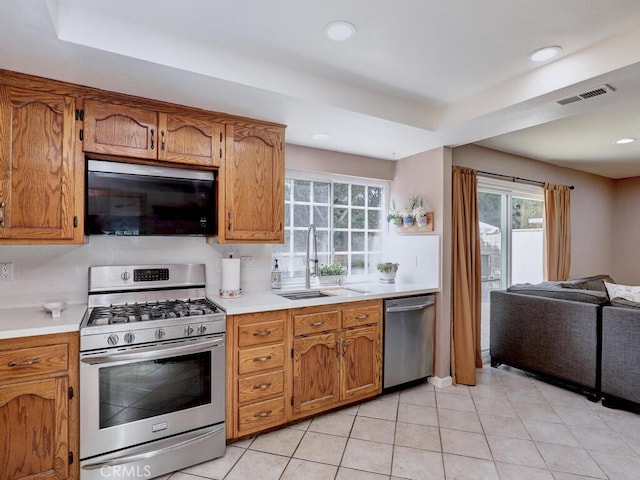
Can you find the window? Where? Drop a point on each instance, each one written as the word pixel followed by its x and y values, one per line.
pixel 349 219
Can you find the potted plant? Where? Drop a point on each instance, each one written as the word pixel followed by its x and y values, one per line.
pixel 387 271
pixel 420 214
pixel 331 273
pixel 394 215
pixel 407 217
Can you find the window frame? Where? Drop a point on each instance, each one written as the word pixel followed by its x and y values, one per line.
pixel 285 261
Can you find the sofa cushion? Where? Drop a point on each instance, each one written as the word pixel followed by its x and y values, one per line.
pixel 623 302
pixel 595 282
pixel 628 292
pixel 560 293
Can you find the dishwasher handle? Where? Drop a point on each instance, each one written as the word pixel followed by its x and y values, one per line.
pixel 410 308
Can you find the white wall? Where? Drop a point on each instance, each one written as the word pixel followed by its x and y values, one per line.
pixel 626 232
pixel 60 272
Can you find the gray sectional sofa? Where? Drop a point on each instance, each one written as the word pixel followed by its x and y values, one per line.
pixel 570 333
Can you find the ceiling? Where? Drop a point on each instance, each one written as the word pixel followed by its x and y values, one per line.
pixel 418 74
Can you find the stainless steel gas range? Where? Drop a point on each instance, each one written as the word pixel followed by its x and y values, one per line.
pixel 152 372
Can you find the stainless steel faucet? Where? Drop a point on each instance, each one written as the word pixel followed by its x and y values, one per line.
pixel 307 273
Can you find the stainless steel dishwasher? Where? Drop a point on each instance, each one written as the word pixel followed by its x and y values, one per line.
pixel 408 339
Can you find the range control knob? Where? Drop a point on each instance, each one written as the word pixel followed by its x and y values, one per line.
pixel 129 337
pixel 125 276
pixel 201 329
pixel 160 333
pixel 188 330
pixel 113 339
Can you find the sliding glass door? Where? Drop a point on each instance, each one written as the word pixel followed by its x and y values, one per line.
pixel 511 248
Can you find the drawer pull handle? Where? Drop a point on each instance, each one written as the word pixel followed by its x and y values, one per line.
pixel 263 386
pixel 25 363
pixel 316 324
pixel 262 333
pixel 262 359
pixel 364 316
pixel 263 414
pixel 2 205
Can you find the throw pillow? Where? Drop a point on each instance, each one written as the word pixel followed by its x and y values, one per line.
pixel 595 282
pixel 627 292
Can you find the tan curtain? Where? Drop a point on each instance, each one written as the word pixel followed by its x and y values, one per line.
pixel 557 232
pixel 466 352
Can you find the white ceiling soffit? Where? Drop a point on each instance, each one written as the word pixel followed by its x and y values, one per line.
pixel 428 74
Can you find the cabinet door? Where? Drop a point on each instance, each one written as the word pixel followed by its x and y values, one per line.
pixel 39 174
pixel 316 372
pixel 120 130
pixel 252 208
pixel 34 425
pixel 361 362
pixel 190 141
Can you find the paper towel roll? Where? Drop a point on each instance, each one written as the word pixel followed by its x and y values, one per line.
pixel 230 274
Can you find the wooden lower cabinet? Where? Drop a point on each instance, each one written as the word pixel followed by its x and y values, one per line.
pixel 257 359
pixel 338 367
pixel 39 408
pixel 290 364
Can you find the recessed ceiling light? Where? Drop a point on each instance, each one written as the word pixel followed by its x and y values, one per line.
pixel 622 141
pixel 340 31
pixel 545 53
pixel 319 136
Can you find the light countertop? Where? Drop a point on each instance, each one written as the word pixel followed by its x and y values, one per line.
pixel 270 300
pixel 30 321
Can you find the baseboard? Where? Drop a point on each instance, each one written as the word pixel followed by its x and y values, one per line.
pixel 441 382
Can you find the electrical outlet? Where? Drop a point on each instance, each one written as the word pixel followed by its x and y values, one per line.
pixel 6 272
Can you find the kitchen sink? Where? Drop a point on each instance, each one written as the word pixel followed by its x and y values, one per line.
pixel 328 292
pixel 303 295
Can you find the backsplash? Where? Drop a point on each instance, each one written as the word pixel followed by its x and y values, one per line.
pixel 44 273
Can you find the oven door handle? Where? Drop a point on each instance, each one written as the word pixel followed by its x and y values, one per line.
pixel 135 457
pixel 153 352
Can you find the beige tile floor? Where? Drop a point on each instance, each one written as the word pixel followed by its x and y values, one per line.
pixel 510 426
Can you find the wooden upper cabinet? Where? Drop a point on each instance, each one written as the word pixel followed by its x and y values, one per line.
pixel 252 185
pixel 191 141
pixel 120 130
pixel 41 183
pixel 115 129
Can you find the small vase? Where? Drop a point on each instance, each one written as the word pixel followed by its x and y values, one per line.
pixel 421 221
pixel 407 221
pixel 397 221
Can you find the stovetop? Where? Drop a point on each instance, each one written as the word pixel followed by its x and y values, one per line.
pixel 146 304
pixel 158 310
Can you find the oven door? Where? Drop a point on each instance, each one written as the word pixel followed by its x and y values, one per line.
pixel 139 394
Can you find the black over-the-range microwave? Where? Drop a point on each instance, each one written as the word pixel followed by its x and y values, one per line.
pixel 131 199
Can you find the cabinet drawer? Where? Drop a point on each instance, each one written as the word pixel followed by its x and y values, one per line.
pixel 309 323
pixel 256 387
pixel 258 416
pixel 260 333
pixel 260 358
pixel 24 362
pixel 354 317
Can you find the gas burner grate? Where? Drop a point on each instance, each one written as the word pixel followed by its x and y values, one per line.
pixel 140 312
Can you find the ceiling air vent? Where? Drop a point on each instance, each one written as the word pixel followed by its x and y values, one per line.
pixel 585 95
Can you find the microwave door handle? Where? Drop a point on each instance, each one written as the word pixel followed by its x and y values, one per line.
pixel 149 453
pixel 152 353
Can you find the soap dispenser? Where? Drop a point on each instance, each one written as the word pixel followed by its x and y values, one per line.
pixel 276 277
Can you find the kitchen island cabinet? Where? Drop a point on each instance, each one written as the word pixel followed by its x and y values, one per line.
pixel 41 168
pixel 39 407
